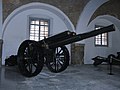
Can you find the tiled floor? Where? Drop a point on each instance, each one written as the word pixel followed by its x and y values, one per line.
pixel 85 77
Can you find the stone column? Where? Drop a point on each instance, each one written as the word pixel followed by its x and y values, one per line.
pixel 77 53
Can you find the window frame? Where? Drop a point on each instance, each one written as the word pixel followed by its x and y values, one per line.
pixel 101 39
pixel 35 18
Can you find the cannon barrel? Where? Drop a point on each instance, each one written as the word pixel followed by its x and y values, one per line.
pixel 58 37
pixel 80 37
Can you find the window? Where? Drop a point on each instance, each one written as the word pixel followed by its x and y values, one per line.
pixel 101 39
pixel 39 28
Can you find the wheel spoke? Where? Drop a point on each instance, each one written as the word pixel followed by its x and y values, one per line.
pixel 60 50
pixel 55 64
pixel 30 68
pixel 35 65
pixel 52 63
pixel 60 62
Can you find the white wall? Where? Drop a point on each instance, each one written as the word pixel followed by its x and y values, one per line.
pixel 116 41
pixel 17 29
pixel 92 51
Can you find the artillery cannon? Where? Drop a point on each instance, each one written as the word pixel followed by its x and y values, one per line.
pixel 32 55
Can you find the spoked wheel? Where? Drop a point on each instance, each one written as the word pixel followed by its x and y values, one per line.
pixel 60 60
pixel 30 61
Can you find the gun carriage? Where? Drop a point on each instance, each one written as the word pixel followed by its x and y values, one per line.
pixel 32 55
